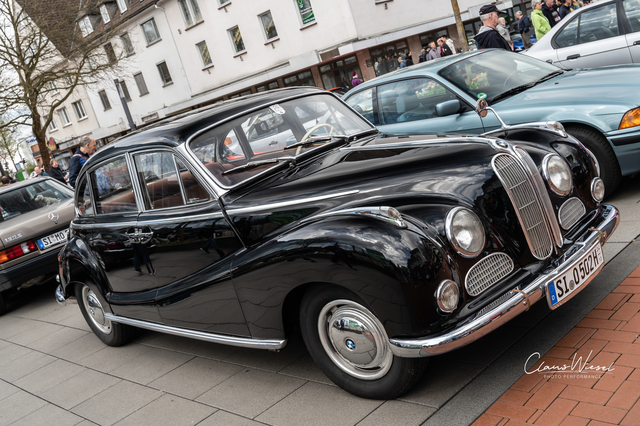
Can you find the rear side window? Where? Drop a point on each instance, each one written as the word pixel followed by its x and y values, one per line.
pixel 598 24
pixel 112 188
pixel 632 9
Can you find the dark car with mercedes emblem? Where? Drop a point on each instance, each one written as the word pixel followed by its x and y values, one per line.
pixel 248 221
pixel 34 222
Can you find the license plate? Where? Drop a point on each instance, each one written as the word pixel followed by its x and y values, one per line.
pixel 571 281
pixel 53 239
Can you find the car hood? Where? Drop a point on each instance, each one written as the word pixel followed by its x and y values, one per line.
pixel 36 224
pixel 598 91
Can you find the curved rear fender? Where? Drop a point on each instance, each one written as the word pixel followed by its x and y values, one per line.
pixel 78 262
pixel 394 270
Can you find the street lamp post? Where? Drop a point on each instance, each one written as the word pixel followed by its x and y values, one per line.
pixel 132 125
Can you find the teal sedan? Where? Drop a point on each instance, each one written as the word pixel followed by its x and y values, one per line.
pixel 599 107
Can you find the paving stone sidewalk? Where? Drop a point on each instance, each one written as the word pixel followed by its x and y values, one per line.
pixel 605 345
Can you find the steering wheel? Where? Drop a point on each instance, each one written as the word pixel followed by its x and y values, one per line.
pixel 316 127
pixel 509 77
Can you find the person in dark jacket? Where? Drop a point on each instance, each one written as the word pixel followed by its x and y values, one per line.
pixel 565 9
pixel 549 11
pixel 524 28
pixel 423 56
pixel 56 173
pixel 488 36
pixel 86 149
pixel 444 48
pixel 409 59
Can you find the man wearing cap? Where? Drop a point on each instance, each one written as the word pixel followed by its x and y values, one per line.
pixel 488 36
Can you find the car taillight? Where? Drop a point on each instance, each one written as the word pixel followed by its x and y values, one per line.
pixel 17 251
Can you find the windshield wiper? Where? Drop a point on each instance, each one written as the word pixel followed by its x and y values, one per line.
pixel 254 164
pixel 315 139
pixel 524 87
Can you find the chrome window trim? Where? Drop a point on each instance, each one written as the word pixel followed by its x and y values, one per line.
pixel 179 177
pixel 137 191
pixel 447 228
pixel 275 206
pixel 545 174
pixel 243 342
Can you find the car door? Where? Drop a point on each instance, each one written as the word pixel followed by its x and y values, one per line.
pixel 593 38
pixel 184 246
pixel 632 14
pixel 409 106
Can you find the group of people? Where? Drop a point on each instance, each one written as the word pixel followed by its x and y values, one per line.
pixel 444 48
pixel 545 15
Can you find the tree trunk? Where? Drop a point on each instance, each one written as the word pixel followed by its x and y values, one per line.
pixel 462 35
pixel 41 137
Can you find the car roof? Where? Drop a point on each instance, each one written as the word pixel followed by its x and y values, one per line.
pixel 174 130
pixel 428 67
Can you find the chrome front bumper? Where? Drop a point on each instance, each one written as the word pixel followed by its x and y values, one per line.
pixel 486 322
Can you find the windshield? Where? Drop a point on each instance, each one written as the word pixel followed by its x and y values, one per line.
pixel 495 72
pixel 254 142
pixel 25 199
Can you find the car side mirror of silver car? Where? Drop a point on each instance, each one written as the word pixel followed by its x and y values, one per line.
pixel 483 108
pixel 448 108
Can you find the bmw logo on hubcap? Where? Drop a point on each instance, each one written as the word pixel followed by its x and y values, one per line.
pixel 351 345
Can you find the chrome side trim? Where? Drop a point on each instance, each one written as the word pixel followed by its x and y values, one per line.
pixel 540 125
pixel 243 342
pixel 416 144
pixel 74 225
pixel 275 206
pixel 375 212
pixel 180 219
pixel 489 320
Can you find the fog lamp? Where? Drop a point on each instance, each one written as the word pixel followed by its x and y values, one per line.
pixel 447 296
pixel 597 189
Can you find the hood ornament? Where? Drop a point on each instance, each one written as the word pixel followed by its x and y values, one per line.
pixel 53 216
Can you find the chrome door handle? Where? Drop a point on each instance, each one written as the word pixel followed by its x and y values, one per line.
pixel 576 56
pixel 636 43
pixel 139 237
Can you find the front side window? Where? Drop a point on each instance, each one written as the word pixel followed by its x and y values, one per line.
pixel 190 12
pixel 268 26
pixel 79 110
pixel 126 42
pixel 632 10
pixel 362 102
pixel 150 31
pixel 598 24
pixel 112 187
pixel 236 39
pixel 142 86
pixel 204 53
pixel 164 73
pixel 104 99
pixel 409 100
pixel 64 116
pixel 569 34
pixel 84 204
pixel 306 11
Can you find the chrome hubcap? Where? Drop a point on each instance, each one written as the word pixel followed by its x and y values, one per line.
pixel 354 339
pixel 95 311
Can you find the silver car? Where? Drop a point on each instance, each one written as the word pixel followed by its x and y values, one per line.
pixel 600 34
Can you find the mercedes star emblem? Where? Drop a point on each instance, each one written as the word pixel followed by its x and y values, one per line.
pixel 53 216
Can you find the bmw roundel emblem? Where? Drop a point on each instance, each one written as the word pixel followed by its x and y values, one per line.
pixel 351 345
pixel 502 144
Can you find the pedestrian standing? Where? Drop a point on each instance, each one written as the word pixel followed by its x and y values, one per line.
pixel 433 53
pixel 354 79
pixel 504 32
pixel 56 173
pixel 86 150
pixel 408 59
pixel 565 9
pixel 524 28
pixel 449 42
pixel 38 172
pixel 5 180
pixel 488 36
pixel 401 62
pixel 423 56
pixel 443 48
pixel 550 12
pixel 540 22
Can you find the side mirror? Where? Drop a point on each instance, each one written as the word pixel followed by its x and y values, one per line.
pixel 481 107
pixel 550 61
pixel 448 108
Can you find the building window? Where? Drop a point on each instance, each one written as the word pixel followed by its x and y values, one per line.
pixel 268 86
pixel 126 42
pixel 64 116
pixel 105 100
pixel 204 53
pixel 306 11
pixel 85 26
pixel 236 39
pixel 125 91
pixel 105 14
pixel 223 2
pixel 164 73
pixel 304 78
pixel 79 109
pixel 268 26
pixel 111 54
pixel 190 12
pixel 52 126
pixel 142 86
pixel 150 31
pixel 53 87
pixel 123 5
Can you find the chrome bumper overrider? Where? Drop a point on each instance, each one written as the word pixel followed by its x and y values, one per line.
pixel 606 222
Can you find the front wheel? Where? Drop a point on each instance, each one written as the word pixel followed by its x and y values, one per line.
pixel 599 146
pixel 111 333
pixel 351 346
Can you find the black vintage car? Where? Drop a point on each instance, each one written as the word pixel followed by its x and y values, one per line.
pixel 240 223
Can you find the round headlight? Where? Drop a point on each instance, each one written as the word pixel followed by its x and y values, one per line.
pixel 447 296
pixel 597 189
pixel 558 174
pixel 465 231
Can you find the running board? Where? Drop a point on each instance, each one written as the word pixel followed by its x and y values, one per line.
pixel 243 342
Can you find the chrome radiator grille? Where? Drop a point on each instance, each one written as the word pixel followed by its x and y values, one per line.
pixel 570 212
pixel 513 176
pixel 487 272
